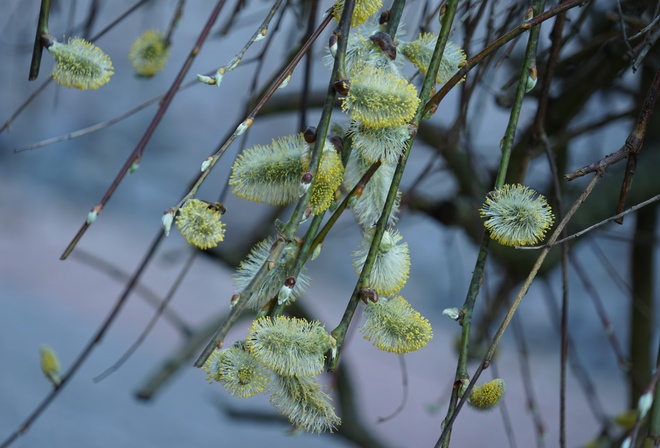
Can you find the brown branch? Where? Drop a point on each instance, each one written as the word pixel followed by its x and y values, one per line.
pixel 136 155
pixel 638 134
pixel 630 148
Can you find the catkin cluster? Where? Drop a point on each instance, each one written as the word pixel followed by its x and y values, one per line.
pixel 282 355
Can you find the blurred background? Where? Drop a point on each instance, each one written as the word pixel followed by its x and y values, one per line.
pixel 46 193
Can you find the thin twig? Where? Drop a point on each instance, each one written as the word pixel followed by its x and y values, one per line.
pixel 580 372
pixel 149 296
pixel 633 143
pixel 152 322
pixel 536 20
pixel 516 303
pixel 404 387
pixel 590 228
pixel 606 323
pixel 136 154
pixel 638 143
pixel 42 30
pixel 294 222
pixel 84 354
pixel 478 272
pixel 7 124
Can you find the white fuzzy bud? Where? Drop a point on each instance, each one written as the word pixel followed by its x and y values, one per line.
pixel 206 163
pixel 284 294
pixel 205 79
pixel 532 77
pixel 219 75
pixel 644 404
pixel 333 46
pixel 167 219
pixel 243 127
pixel 285 82
pixel 317 251
pixel 261 34
pixel 92 215
pixel 452 313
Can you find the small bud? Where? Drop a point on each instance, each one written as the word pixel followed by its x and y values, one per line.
pixel 644 404
pixel 234 300
pixel 317 251
pixel 167 220
pixel 243 126
pixel 286 290
pixel 93 214
pixel 462 386
pixel 134 166
pixel 342 86
pixel 368 295
pixel 310 134
pixel 262 34
pixel 306 215
pixel 531 79
pixel 452 313
pixel 219 75
pixel 206 79
pixel 50 365
pixel 285 82
pixel 529 14
pixel 234 64
pixel 430 112
pixel 206 163
pixel 384 17
pixel 307 179
pixel 384 41
pixel 337 142
pixel 443 10
pixel 333 45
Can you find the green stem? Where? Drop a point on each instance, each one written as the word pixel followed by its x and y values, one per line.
pixel 42 29
pixel 395 13
pixel 339 333
pixel 490 49
pixel 292 226
pixel 514 306
pixel 478 272
pixel 324 122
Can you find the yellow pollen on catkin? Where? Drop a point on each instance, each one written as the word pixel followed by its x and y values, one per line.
pixel 380 99
pixel 394 326
pixel 80 64
pixel 361 12
pixel 420 52
pixel 149 53
pixel 487 396
pixel 327 180
pixel 516 215
pixel 200 224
